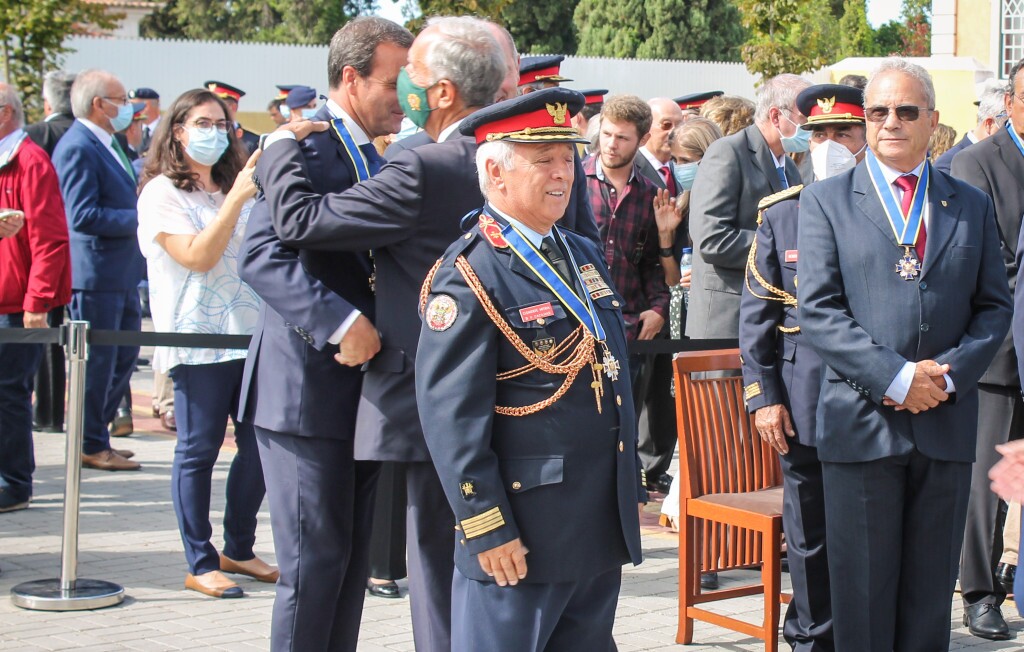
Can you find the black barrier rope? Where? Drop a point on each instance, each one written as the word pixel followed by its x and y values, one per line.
pixel 215 341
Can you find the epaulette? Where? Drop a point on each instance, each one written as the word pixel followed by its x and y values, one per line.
pixel 788 193
pixel 773 293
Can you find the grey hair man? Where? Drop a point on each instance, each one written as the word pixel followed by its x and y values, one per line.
pixel 991 118
pixel 57 108
pixel 735 174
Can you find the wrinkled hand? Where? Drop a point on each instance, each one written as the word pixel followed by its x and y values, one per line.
pixel 11 223
pixel 774 425
pixel 665 213
pixel 244 187
pixel 360 343
pixel 506 563
pixel 927 389
pixel 34 320
pixel 650 325
pixel 303 128
pixel 684 279
pixel 1008 474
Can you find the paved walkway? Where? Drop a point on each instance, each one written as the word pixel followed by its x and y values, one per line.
pixel 129 535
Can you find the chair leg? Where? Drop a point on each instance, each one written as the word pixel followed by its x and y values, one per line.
pixel 687 581
pixel 770 577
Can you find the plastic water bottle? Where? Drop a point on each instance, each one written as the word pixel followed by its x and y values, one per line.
pixel 685 264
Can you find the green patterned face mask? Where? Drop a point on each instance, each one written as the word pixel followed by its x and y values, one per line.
pixel 413 99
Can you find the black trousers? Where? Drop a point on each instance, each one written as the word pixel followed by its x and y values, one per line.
pixel 387 539
pixel 657 435
pixel 50 381
pixel 1000 418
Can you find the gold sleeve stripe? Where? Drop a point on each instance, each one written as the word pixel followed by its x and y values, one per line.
pixel 481 524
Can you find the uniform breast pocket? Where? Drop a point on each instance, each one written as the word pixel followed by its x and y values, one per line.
pixel 523 474
pixel 538 314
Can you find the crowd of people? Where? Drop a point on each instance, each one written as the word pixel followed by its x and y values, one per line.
pixel 442 268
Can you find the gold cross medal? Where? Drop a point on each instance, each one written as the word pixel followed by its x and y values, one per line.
pixel 908 267
pixel 610 364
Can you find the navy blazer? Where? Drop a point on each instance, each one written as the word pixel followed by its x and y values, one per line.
pixel 778 367
pixel 408 215
pixel 865 321
pixel 103 221
pixel 566 479
pixel 291 382
pixel 945 161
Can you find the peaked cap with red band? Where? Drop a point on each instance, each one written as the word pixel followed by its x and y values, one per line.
pixel 283 90
pixel 695 100
pixel 595 96
pixel 540 117
pixel 224 91
pixel 541 69
pixel 831 104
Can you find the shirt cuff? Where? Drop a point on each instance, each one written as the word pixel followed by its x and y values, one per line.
pixel 950 387
pixel 900 385
pixel 276 136
pixel 339 334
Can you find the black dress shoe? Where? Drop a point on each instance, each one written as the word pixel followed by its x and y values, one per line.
pixel 386 590
pixel 1005 574
pixel 709 581
pixel 986 621
pixel 661 484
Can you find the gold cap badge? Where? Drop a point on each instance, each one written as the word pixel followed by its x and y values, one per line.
pixel 827 104
pixel 557 111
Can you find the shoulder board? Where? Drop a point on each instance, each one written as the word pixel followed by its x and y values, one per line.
pixel 788 193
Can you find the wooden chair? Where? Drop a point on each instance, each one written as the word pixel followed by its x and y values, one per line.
pixel 730 499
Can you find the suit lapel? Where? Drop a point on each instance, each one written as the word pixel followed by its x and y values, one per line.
pixel 106 155
pixel 1009 153
pixel 944 213
pixel 764 157
pixel 869 204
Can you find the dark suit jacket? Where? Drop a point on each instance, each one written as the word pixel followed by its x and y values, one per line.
pixel 945 162
pixel 866 322
pixel 565 479
pixel 291 382
pixel 408 215
pixel 996 166
pixel 648 171
pixel 47 133
pixel 100 200
pixel 735 174
pixel 782 367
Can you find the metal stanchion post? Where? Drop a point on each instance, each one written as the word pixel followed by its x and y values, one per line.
pixel 68 593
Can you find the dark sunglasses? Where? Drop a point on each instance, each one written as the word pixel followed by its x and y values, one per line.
pixel 904 112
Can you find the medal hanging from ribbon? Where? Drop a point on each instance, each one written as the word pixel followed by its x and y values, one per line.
pixel 907 227
pixel 584 312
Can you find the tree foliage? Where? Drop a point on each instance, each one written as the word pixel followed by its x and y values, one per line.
pixel 541 27
pixel 783 37
pixel 660 29
pixel 857 38
pixel 489 9
pixel 34 35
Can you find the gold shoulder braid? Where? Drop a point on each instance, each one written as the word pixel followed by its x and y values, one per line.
pixel 774 293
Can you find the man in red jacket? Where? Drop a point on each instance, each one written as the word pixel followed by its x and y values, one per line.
pixel 35 277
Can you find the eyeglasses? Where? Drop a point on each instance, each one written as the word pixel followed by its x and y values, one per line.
pixel 904 112
pixel 205 125
pixel 117 101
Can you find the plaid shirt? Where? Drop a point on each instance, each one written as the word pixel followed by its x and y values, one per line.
pixel 630 237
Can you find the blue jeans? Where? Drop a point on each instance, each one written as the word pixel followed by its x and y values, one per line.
pixel 204 397
pixel 18 365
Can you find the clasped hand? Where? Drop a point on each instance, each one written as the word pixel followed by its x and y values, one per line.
pixel 506 563
pixel 927 389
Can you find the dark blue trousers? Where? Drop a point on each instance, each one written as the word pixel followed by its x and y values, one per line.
pixel 205 396
pixel 561 617
pixel 321 511
pixel 430 542
pixel 808 622
pixel 18 364
pixel 109 369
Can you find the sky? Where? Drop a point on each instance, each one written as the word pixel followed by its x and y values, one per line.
pixel 879 11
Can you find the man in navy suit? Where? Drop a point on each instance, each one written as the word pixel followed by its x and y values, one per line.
pixel 98 185
pixel 302 376
pixel 408 214
pixel 902 292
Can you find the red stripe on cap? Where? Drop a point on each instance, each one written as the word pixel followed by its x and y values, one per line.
pixel 534 119
pixel 839 108
pixel 224 92
pixel 594 99
pixel 530 77
pixel 692 105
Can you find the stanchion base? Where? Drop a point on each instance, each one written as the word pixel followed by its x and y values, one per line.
pixel 46 595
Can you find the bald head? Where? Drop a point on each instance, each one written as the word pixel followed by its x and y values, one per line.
pixel 665 114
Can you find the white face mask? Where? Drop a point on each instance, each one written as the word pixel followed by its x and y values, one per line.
pixel 829 158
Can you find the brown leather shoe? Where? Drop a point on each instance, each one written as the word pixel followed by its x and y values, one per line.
pixel 213 584
pixel 122 425
pixel 168 422
pixel 255 568
pixel 109 460
pixel 124 452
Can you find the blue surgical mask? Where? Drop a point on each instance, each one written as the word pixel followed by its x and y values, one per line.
pixel 309 114
pixel 123 118
pixel 684 174
pixel 286 113
pixel 206 146
pixel 798 142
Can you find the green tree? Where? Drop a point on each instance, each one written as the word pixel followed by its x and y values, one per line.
pixel 541 27
pixel 34 35
pixel 917 36
pixel 889 38
pixel 489 9
pixel 610 28
pixel 857 38
pixel 785 36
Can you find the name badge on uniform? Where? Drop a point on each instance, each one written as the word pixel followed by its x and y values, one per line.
pixel 791 255
pixel 539 311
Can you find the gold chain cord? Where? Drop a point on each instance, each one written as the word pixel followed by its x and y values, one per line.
pixel 780 294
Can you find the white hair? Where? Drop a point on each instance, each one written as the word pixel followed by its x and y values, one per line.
pixel 9 97
pixel 779 92
pixel 57 90
pixel 501 152
pixel 991 104
pixel 88 85
pixel 469 56
pixel 896 64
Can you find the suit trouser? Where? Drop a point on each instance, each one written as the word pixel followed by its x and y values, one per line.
pixel 430 540
pixel 387 539
pixel 527 617
pixel 208 395
pixel 657 429
pixel 321 506
pixel 18 363
pixel 109 369
pixel 894 528
pixel 808 622
pixel 51 380
pixel 1000 417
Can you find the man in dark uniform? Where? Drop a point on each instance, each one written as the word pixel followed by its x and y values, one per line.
pixel 528 418
pixel 231 95
pixel 781 374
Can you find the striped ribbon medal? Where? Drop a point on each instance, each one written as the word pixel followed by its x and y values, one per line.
pixel 905 227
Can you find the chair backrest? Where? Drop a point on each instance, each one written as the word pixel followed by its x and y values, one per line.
pixel 719 448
